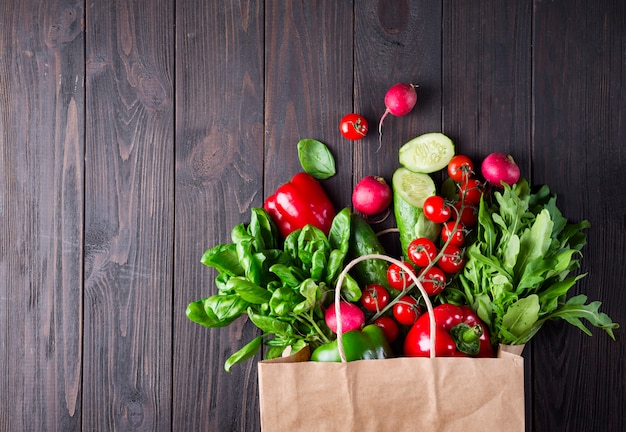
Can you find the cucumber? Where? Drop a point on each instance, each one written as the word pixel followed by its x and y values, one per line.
pixel 427 153
pixel 413 187
pixel 363 241
pixel 410 219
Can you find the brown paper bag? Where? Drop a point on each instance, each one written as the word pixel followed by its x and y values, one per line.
pixel 395 395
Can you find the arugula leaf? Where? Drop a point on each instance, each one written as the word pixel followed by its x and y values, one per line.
pixel 517 272
pixel 522 315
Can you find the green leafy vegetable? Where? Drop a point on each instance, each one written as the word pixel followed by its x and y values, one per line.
pixel 518 271
pixel 282 287
pixel 316 159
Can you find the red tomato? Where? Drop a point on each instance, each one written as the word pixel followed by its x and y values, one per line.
pixel 452 260
pixel 396 276
pixel 469 214
pixel 422 251
pixel 433 280
pixel 374 297
pixel 406 310
pixel 460 168
pixel 470 191
pixel 436 209
pixel 456 235
pixel 353 126
pixel 390 328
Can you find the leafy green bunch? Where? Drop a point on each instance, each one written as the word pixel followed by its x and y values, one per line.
pixel 522 264
pixel 281 286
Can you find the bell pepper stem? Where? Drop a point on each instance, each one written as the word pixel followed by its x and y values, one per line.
pixel 467 338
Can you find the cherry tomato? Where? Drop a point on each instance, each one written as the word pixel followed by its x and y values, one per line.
pixel 456 235
pixel 469 214
pixel 436 209
pixel 353 126
pixel 470 191
pixel 422 251
pixel 433 280
pixel 396 276
pixel 389 326
pixel 406 310
pixel 374 297
pixel 452 260
pixel 460 168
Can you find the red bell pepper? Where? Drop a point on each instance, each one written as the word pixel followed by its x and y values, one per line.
pixel 300 202
pixel 459 333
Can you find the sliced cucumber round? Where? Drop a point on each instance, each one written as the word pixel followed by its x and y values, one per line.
pixel 412 186
pixel 427 153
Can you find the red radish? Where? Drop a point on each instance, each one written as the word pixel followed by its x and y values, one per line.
pixel 352 317
pixel 399 100
pixel 500 167
pixel 372 195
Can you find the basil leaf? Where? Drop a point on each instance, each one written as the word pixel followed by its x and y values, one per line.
pixel 249 350
pixel 263 229
pixel 270 325
pixel 249 291
pixel 225 307
pixel 223 258
pixel 197 313
pixel 308 289
pixel 316 159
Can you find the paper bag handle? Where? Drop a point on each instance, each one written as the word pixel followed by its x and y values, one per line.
pixel 409 271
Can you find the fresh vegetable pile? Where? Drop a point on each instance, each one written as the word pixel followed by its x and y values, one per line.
pixel 495 256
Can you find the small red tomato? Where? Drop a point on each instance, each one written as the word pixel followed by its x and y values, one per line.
pixel 353 126
pixel 470 191
pixel 452 260
pixel 468 214
pixel 436 209
pixel 374 297
pixel 389 326
pixel 433 280
pixel 422 251
pixel 460 168
pixel 454 232
pixel 398 278
pixel 406 310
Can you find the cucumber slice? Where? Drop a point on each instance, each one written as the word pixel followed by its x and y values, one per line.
pixel 427 153
pixel 412 186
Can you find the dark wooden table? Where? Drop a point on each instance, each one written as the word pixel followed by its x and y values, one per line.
pixel 135 135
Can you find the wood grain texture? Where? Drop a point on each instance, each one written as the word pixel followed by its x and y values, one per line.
pixel 129 216
pixel 395 41
pixel 219 178
pixel 41 207
pixel 580 100
pixel 308 75
pixel 135 135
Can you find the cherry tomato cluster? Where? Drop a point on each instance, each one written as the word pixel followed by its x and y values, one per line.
pixel 435 261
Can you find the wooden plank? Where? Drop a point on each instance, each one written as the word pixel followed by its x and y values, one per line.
pixel 129 216
pixel 579 96
pixel 308 51
pixel 395 41
pixel 41 206
pixel 219 177
pixel 487 92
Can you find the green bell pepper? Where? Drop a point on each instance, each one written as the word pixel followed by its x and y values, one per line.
pixel 366 344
